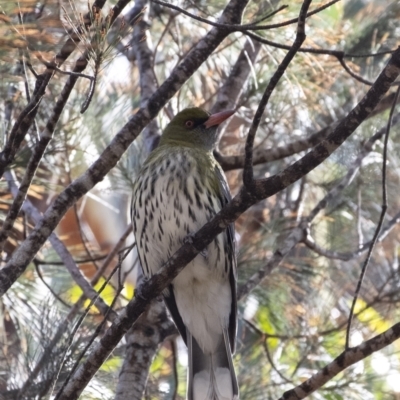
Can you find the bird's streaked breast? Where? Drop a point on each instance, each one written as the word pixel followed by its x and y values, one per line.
pixel 172 199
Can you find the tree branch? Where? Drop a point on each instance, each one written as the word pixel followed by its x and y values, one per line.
pixel 339 364
pixel 61 250
pixel 248 178
pixel 245 27
pixel 380 222
pixel 262 155
pixel 27 116
pixel 233 86
pixel 143 340
pixel 340 55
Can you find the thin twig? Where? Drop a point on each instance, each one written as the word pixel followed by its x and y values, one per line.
pixel 79 323
pixel 340 55
pixel 62 329
pixel 352 73
pixel 70 73
pixel 295 20
pixel 246 27
pixel 49 288
pixel 349 357
pixel 378 228
pixel 248 179
pixel 95 333
pixel 264 338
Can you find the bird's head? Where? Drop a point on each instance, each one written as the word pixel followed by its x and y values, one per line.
pixel 194 127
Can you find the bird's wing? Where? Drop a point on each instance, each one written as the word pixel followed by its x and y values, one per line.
pixel 230 233
pixel 170 302
pixel 135 221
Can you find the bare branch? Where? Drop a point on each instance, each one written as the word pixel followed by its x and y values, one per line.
pixel 143 340
pixel 233 86
pixel 27 116
pixel 246 27
pixel 349 357
pixel 248 179
pixel 60 249
pixel 340 55
pixel 261 155
pixel 380 222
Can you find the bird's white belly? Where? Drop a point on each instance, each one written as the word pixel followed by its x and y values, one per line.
pixel 204 302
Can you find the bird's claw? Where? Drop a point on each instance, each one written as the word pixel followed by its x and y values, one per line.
pixel 139 289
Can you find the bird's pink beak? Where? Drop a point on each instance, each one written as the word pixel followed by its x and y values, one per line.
pixel 218 118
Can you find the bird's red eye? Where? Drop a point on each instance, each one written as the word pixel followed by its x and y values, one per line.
pixel 189 124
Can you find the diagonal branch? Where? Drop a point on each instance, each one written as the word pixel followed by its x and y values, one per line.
pixel 248 179
pixel 61 250
pixel 349 357
pixel 246 27
pixel 228 95
pixel 339 54
pixel 380 222
pixel 47 134
pixel 27 116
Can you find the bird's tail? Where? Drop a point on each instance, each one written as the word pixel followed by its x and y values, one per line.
pixel 211 376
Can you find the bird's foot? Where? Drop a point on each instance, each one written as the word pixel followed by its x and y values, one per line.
pixel 139 288
pixel 189 239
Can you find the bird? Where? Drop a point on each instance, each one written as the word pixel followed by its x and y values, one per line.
pixel 179 188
